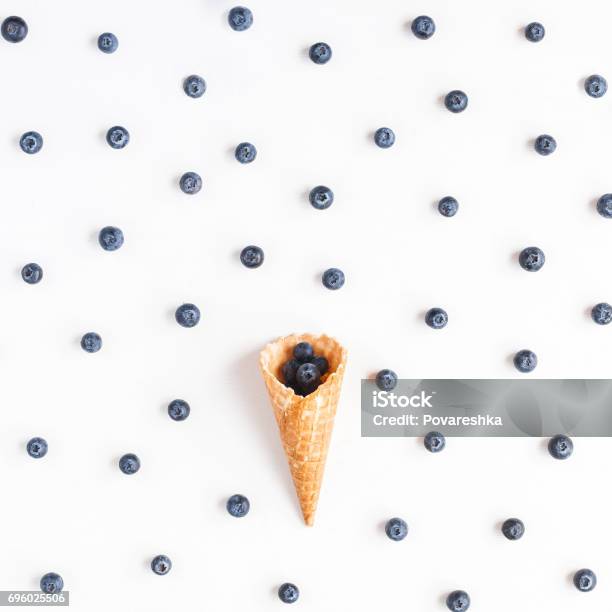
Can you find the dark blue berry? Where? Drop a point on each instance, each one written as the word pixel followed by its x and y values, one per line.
pixel 434 442
pixel 560 446
pixel 585 580
pixel 37 447
pixel 602 313
pixel 240 18
pixel 252 256
pixel 161 565
pixel 321 197
pixel 436 318
pixel 386 380
pixel 333 278
pixel 91 342
pixel 178 410
pixel 532 259
pixel 525 361
pixel 117 137
pixel 396 529
pixel 458 601
pixel 289 371
pixel 129 464
pixel 303 352
pixel 423 27
pixel 596 86
pixel 110 238
pixel 534 31
pixel 32 273
pixel 604 205
pixel 448 206
pixel 14 29
pixel 187 315
pixel 307 378
pixel 513 528
pixel 194 86
pixel 384 137
pixel 456 101
pixel 238 506
pixel 288 593
pixel 320 53
pixel 545 144
pixel 107 42
pixel 51 583
pixel 190 183
pixel 31 142
pixel 245 152
pixel 321 364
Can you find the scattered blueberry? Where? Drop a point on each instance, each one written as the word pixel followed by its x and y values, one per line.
pixel 303 352
pixel 187 315
pixel 107 42
pixel 321 197
pixel 560 446
pixel 307 378
pixel 396 529
pixel 129 464
pixel 321 364
pixel 436 318
pixel 604 205
pixel 320 53
pixel 117 137
pixel 595 85
pixel 110 238
pixel 602 313
pixel 178 410
pixel 434 441
pixel 31 142
pixel 240 18
pixel 386 380
pixel 513 528
pixel 545 144
pixel 194 86
pixel 448 206
pixel 91 342
pixel 32 273
pixel 252 256
pixel 585 580
pixel 37 447
pixel 190 183
pixel 532 259
pixel 14 29
pixel 423 27
pixel 525 361
pixel 456 101
pixel 384 137
pixel 289 371
pixel 238 506
pixel 161 565
pixel 288 593
pixel 534 31
pixel 245 152
pixel 51 583
pixel 458 601
pixel 333 278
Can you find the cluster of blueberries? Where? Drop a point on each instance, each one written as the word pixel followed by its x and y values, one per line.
pixel 304 370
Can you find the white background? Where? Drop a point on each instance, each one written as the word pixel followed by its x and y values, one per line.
pixel 73 512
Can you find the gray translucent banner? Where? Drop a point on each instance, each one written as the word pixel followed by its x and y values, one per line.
pixel 34 598
pixel 488 407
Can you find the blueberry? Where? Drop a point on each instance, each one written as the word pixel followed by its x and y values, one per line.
pixel 513 528
pixel 187 315
pixel 604 205
pixel 545 144
pixel 458 601
pixel 307 378
pixel 107 42
pixel 303 352
pixel 560 446
pixel 14 29
pixel 91 342
pixel 434 442
pixel 384 137
pixel 436 318
pixel 448 206
pixel 110 238
pixel 396 529
pixel 386 380
pixel 525 361
pixel 534 31
pixel 288 593
pixel 320 53
pixel 456 101
pixel 37 447
pixel 602 313
pixel 333 278
pixel 252 256
pixel 31 142
pixel 321 364
pixel 596 86
pixel 321 197
pixel 31 273
pixel 194 86
pixel 161 565
pixel 423 27
pixel 532 259
pixel 51 583
pixel 117 137
pixel 238 506
pixel 245 152
pixel 289 371
pixel 129 464
pixel 178 410
pixel 585 580
pixel 240 18
pixel 190 183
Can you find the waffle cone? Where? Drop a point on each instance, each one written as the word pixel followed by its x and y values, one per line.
pixel 305 423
